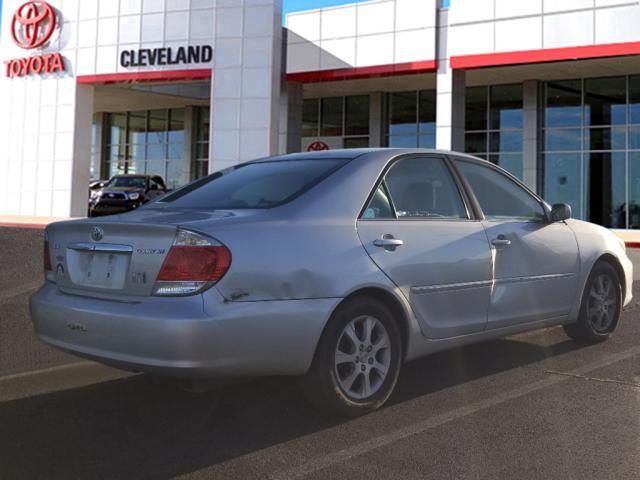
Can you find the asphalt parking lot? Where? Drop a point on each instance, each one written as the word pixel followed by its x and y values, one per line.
pixel 531 406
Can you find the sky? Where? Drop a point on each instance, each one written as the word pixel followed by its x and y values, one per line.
pixel 298 5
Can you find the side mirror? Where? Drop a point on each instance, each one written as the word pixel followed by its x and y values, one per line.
pixel 560 212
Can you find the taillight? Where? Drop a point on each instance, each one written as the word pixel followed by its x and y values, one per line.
pixel 193 263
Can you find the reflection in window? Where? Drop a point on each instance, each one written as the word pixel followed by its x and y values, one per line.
pixel 563 104
pixel 588 130
pixel 331 116
pixel 411 119
pixel 346 117
pixel 494 125
pixel 200 166
pixel 146 142
pixel 562 179
pixel 605 101
pixel 633 185
pixel 605 200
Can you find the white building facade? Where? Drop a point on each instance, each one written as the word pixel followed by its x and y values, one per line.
pixel 181 88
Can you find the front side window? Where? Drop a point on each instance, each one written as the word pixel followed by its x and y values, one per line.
pixel 254 185
pixel 500 197
pixel 421 188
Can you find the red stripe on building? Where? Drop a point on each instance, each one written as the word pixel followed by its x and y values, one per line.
pixel 427 66
pixel 156 76
pixel 546 55
pixel 632 244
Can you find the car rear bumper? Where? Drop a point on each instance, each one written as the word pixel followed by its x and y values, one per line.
pixel 191 337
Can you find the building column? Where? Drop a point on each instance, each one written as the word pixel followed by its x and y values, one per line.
pixel 530 135
pixel 450 95
pixel 245 106
pixel 376 120
pixel 291 98
pixel 81 159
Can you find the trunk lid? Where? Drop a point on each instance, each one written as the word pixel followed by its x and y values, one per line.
pixel 108 259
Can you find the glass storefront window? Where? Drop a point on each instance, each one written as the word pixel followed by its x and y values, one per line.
pixel 310 112
pixel 331 116
pixel 505 107
pixel 176 131
pixel 633 185
pixel 356 115
pixel 411 119
pixel 609 138
pixel 494 125
pixel 346 117
pixel 605 101
pixel 563 104
pixel 137 128
pixel 562 174
pixel 589 142
pixel 562 139
pixel 403 112
pixel 606 195
pixel 200 165
pixel 147 142
pixel 476 108
pixel 118 128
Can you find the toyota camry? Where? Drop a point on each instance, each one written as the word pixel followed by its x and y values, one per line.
pixel 334 266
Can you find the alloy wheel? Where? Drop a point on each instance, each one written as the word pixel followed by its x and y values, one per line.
pixel 602 305
pixel 362 357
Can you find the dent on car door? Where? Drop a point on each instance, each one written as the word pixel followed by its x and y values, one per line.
pixel 535 262
pixel 417 229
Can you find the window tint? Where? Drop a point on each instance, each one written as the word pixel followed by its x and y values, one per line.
pixel 499 196
pixel 254 185
pixel 424 188
pixel 379 206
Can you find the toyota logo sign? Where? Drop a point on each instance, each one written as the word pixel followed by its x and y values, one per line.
pixel 317 147
pixel 33 24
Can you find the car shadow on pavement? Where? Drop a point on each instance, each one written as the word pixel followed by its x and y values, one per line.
pixel 131 428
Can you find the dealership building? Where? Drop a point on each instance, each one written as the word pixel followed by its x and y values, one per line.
pixel 550 90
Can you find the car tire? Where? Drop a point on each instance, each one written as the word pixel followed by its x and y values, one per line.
pixel 600 308
pixel 357 361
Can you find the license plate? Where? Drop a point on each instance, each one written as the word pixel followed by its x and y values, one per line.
pixel 101 270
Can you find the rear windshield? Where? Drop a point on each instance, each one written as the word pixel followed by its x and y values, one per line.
pixel 254 185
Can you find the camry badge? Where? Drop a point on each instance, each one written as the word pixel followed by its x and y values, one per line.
pixel 97 234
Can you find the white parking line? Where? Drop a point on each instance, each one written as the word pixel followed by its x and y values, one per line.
pixel 456 414
pixel 45 371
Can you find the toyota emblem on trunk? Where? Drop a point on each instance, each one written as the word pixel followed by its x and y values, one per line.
pixel 97 234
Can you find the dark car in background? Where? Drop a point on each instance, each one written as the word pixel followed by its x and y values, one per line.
pixel 124 193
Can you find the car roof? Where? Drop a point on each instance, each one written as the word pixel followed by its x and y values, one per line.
pixel 351 154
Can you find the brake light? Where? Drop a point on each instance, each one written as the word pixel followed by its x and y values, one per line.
pixel 193 263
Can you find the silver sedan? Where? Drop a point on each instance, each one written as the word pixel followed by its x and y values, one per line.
pixel 336 266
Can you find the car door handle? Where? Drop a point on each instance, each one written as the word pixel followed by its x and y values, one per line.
pixel 501 242
pixel 388 242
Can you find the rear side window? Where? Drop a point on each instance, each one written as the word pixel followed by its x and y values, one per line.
pixel 254 185
pixel 423 188
pixel 379 206
pixel 500 197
